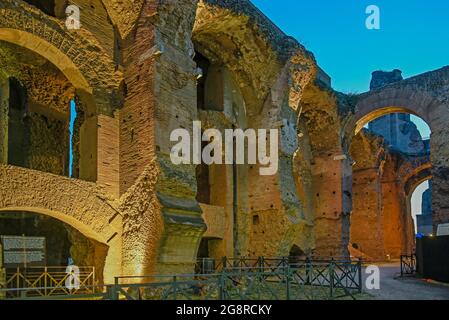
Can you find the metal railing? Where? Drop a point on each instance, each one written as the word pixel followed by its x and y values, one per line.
pixel 408 265
pixel 232 279
pixel 293 282
pixel 47 281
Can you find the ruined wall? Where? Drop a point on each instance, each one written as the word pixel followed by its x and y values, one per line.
pixel 330 172
pixel 381 226
pixel 132 72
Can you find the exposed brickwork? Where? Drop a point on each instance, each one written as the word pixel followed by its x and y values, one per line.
pixel 132 71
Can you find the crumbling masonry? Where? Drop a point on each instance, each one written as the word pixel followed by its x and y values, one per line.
pixel 138 69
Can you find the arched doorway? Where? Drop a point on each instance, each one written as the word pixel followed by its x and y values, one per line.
pixel 387 149
pixel 43 117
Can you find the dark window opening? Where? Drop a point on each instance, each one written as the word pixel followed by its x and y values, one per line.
pixel 203 63
pixel 202 180
pixel 46 6
pixel 18 129
pixel 203 250
pixel 296 254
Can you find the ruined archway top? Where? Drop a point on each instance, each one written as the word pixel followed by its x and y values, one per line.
pixel 412 165
pixel 285 46
pixel 80 204
pixel 238 35
pixel 422 175
pixel 75 52
pixel 425 95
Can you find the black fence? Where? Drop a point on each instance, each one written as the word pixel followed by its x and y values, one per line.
pixel 408 265
pixel 432 256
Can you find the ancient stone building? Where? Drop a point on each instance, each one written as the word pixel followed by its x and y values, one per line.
pixel 138 69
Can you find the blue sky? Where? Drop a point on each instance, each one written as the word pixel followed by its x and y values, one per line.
pixel 413 37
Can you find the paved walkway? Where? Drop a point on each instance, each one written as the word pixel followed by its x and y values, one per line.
pixel 392 287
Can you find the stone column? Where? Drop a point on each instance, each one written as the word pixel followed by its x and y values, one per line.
pixel 160 97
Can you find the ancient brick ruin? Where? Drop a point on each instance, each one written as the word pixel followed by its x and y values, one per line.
pixel 135 71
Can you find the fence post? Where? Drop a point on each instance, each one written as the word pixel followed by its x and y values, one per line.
pixel 175 289
pixel 309 271
pixel 113 290
pixel 287 281
pixel 225 263
pixel 221 286
pixel 359 267
pixel 331 278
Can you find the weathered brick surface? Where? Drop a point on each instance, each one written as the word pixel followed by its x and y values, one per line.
pixel 132 71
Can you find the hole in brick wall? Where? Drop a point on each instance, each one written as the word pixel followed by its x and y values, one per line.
pixel 256 219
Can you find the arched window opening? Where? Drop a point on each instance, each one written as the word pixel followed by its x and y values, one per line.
pixel 46 6
pixel 41 124
pixel 296 254
pixel 18 126
pixel 210 86
pixel 203 194
pixel 203 64
pixel 390 152
pixel 402 132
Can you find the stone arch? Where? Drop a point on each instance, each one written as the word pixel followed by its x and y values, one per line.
pixel 271 70
pixel 82 205
pixel 425 97
pixel 48 51
pixel 255 50
pixel 377 103
pixel 420 175
pixel 92 73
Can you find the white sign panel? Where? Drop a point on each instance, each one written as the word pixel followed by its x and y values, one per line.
pixel 443 229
